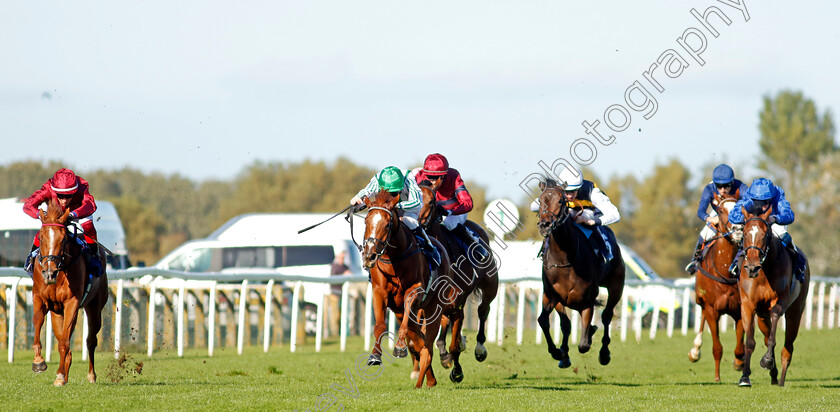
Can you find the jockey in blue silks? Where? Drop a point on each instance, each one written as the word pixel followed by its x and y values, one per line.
pixel 724 184
pixel 761 195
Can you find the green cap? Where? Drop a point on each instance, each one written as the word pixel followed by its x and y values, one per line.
pixel 391 179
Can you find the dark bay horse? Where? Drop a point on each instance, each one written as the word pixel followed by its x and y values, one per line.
pixel 474 274
pixel 769 290
pixel 716 290
pixel 571 275
pixel 400 275
pixel 59 286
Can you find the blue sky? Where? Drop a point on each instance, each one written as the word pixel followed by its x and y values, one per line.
pixel 204 88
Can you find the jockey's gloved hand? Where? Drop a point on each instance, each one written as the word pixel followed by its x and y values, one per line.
pixel 73 216
pixel 737 233
pixel 772 219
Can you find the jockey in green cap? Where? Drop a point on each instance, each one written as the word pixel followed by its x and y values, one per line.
pixel 401 183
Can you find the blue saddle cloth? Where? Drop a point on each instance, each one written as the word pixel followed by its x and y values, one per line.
pixel 605 237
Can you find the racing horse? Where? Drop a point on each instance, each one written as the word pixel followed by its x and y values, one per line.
pixel 572 273
pixel 716 290
pixel 61 285
pixel 769 290
pixel 401 275
pixel 474 274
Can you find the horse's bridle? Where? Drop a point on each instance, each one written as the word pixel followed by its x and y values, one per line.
pixel 59 260
pixel 762 252
pixel 379 245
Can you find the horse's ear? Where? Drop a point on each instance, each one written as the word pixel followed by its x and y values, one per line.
pixel 767 213
pixel 744 211
pixel 393 202
pixel 436 184
pixel 64 216
pixel 42 214
pixel 542 186
pixel 366 199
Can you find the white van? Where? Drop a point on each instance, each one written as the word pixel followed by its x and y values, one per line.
pixel 269 241
pixel 18 230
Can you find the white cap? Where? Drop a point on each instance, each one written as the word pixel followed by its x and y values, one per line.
pixel 568 177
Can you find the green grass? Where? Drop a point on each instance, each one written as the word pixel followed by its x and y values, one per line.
pixel 652 375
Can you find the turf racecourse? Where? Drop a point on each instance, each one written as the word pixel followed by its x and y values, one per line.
pixel 652 375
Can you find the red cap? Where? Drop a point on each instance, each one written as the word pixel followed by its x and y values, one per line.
pixel 64 182
pixel 436 165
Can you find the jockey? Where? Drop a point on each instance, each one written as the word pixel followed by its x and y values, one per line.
pixel 400 183
pixel 452 197
pixel 74 193
pixel 596 209
pixel 762 195
pixel 724 184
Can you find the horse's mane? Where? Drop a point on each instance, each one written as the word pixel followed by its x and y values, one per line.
pixel 54 211
pixel 549 182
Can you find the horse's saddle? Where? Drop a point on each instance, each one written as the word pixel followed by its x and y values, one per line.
pixel 603 242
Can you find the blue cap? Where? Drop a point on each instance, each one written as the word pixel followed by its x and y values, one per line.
pixel 723 174
pixel 761 189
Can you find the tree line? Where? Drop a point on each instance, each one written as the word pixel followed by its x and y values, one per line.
pixel 798 152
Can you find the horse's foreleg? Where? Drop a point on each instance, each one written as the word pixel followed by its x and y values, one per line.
pixel 428 339
pixel 445 357
pixel 457 375
pixel 566 328
pixel 694 353
pixel 39 313
pixel 738 364
pixel 748 320
pixel 544 321
pixel 587 330
pixel 792 320
pixel 712 317
pixel 378 329
pixel 768 326
pixel 489 285
pixel 67 322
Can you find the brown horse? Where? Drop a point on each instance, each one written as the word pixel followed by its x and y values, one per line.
pixel 572 273
pixel 769 290
pixel 400 274
pixel 716 290
pixel 474 274
pixel 60 286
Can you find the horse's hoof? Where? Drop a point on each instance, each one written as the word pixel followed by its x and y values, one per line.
pixel 414 375
pixel 738 366
pixel 604 358
pixel 374 360
pixel 558 354
pixel 399 352
pixel 446 361
pixel 480 353
pixel 564 363
pixel 456 377
pixel 39 367
pixel 745 382
pixel 694 355
pixel 767 362
pixel 92 377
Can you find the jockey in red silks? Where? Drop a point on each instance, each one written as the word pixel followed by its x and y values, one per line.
pixel 71 192
pixel 452 197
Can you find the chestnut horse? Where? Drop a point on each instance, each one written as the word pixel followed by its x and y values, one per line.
pixel 400 274
pixel 60 283
pixel 716 290
pixel 473 275
pixel 571 275
pixel 769 290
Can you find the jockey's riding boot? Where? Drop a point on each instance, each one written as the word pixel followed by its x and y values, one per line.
pixel 734 268
pixel 796 256
pixel 94 262
pixel 695 261
pixel 426 244
pixel 29 266
pixel 469 238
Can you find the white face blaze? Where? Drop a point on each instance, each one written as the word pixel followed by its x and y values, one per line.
pixel 753 233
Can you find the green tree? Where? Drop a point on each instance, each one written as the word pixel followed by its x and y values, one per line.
pixel 793 136
pixel 661 226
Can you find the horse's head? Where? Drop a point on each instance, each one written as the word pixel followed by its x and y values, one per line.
pixel 756 241
pixel 428 213
pixel 724 207
pixel 554 209
pixel 380 222
pixel 52 237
